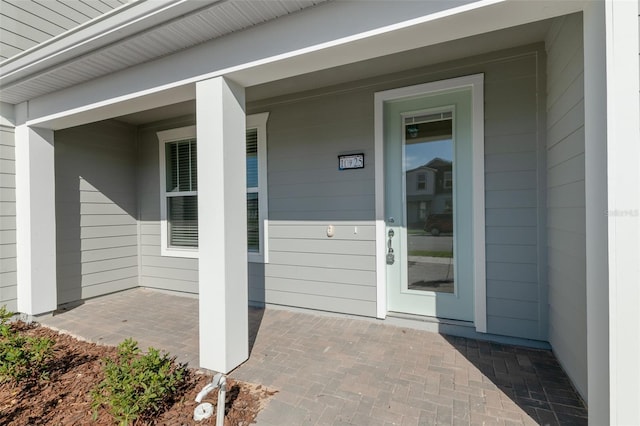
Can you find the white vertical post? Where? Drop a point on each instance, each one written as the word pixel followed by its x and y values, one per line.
pixel 612 185
pixel 222 221
pixel 35 219
pixel 623 158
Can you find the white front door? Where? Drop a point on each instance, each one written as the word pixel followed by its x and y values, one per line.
pixel 430 257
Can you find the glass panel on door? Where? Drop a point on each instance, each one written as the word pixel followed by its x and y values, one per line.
pixel 428 165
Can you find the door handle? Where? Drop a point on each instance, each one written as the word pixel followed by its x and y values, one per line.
pixel 391 257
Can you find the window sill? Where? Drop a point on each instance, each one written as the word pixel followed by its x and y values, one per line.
pixel 176 252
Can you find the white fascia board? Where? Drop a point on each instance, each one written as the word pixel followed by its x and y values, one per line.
pixel 268 52
pixel 99 32
pixel 114 107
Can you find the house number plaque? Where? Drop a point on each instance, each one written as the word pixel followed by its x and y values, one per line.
pixel 351 161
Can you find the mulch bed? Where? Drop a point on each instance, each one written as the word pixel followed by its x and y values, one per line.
pixel 65 398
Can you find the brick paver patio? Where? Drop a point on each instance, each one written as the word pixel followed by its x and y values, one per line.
pixel 335 370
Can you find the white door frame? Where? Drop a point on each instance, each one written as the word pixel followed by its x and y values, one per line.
pixel 476 84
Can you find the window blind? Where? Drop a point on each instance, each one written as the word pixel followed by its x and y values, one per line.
pixel 252 158
pixel 182 166
pixel 253 222
pixel 182 177
pixel 183 221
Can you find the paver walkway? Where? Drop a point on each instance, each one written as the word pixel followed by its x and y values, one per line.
pixel 332 370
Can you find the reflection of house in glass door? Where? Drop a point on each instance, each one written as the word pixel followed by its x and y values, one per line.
pixel 429 201
pixel 429 192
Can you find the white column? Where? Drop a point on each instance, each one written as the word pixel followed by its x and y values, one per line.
pixel 222 221
pixel 612 185
pixel 623 159
pixel 35 219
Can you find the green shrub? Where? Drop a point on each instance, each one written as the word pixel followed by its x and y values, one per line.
pixel 22 357
pixel 136 385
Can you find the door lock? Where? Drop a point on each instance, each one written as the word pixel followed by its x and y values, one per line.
pixel 391 257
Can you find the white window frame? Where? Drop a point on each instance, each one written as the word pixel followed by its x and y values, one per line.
pixel 255 121
pixel 165 137
pixel 259 122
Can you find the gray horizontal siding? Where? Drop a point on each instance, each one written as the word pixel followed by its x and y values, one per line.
pixel 157 271
pixel 566 198
pixel 256 284
pixel 515 299
pixel 308 269
pixel 96 210
pixel 8 267
pixel 307 193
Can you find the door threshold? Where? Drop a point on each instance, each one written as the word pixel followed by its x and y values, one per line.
pixel 429 319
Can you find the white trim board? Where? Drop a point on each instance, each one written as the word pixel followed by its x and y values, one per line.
pixel 476 83
pixel 259 122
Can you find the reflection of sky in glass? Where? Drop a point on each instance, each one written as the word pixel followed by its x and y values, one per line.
pixel 252 171
pixel 419 154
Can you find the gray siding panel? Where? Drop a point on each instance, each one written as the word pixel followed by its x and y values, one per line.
pixel 96 212
pixel 256 284
pixel 323 303
pixel 319 259
pixel 566 198
pixel 8 267
pixel 343 276
pixel 307 193
pixel 512 326
pixel 515 301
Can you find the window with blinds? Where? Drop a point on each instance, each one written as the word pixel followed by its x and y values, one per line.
pixel 253 195
pixel 181 192
pixel 178 162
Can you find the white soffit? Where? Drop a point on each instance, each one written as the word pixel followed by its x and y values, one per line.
pixel 211 20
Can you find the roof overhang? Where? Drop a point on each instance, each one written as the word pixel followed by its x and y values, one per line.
pixel 130 35
pixel 268 52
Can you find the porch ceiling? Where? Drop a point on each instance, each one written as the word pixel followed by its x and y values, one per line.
pixel 127 38
pixel 406 60
pixel 332 77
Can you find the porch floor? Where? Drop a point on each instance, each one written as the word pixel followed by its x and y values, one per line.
pixel 334 370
